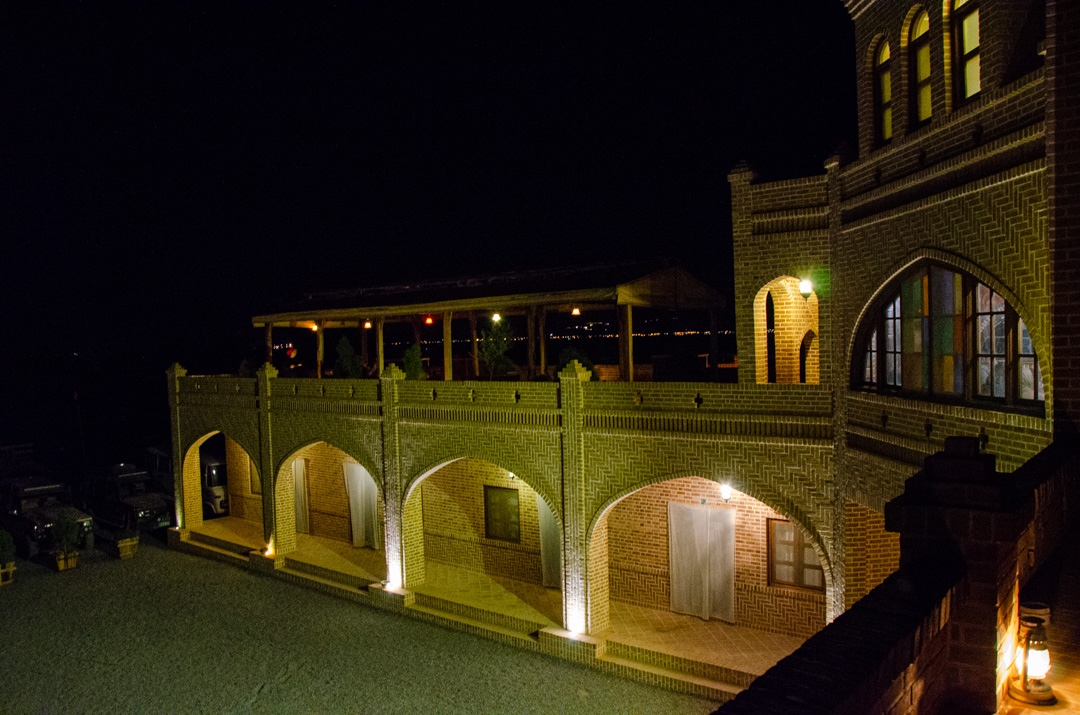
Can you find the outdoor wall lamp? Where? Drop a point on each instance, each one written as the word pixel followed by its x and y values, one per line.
pixel 367 325
pixel 1032 664
pixel 806 287
pixel 315 328
pixel 429 320
pixel 575 311
pixel 725 492
pixel 495 317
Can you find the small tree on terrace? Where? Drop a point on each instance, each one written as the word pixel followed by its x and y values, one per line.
pixel 348 362
pixel 493 346
pixel 413 363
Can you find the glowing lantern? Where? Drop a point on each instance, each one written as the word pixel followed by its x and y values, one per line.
pixel 1032 664
pixel 575 311
pixel 429 320
pixel 806 288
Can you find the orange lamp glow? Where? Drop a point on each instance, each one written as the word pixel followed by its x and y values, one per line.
pixel 575 311
pixel 429 320
pixel 315 328
pixel 367 325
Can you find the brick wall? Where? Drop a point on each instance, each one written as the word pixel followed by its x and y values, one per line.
pixel 637 538
pixel 793 317
pixel 873 553
pixel 328 502
pixel 454 523
pixel 240 470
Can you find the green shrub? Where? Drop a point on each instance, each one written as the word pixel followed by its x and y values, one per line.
pixel 66 530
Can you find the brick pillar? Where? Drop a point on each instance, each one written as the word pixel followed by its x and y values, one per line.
pixel 1063 198
pixel 393 479
pixel 575 512
pixel 269 477
pixel 959 512
pixel 173 375
pixel 740 178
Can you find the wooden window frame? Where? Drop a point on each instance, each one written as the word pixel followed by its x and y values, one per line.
pixel 489 489
pixel 958 16
pixel 915 85
pixel 799 565
pixel 883 107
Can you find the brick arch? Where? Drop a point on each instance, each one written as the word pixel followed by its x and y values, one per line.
pixel 363 459
pixel 189 508
pixel 794 316
pixel 905 26
pixel 284 511
pixel 812 363
pixel 412 538
pixel 356 448
pixel 596 573
pixel 243 432
pixel 951 260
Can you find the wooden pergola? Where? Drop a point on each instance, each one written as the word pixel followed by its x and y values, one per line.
pixel 620 287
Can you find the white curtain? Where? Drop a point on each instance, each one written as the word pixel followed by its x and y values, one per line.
pixel 550 545
pixel 363 505
pixel 701 560
pixel 300 488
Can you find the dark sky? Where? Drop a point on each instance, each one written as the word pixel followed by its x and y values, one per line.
pixel 171 168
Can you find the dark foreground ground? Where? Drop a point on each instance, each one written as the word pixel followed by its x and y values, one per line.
pixel 170 632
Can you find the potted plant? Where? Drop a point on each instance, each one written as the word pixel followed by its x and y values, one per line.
pixel 127 543
pixel 66 536
pixel 7 557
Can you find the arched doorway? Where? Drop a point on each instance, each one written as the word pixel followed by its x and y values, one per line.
pixel 677 555
pixel 479 536
pixel 218 477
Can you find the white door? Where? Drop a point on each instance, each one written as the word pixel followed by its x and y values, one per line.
pixel 550 545
pixel 701 560
pixel 363 506
pixel 299 471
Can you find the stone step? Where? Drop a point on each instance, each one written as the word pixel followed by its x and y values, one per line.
pixel 512 623
pixel 667 678
pixel 459 622
pixel 332 587
pixel 220 544
pixel 216 552
pixel 737 678
pixel 351 580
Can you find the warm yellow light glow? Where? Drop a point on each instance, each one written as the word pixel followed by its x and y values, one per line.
pixel 367 325
pixel 725 492
pixel 495 317
pixel 429 320
pixel 575 623
pixel 1038 663
pixel 575 311
pixel 315 328
pixel 806 288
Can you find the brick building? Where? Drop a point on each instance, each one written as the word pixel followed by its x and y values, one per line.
pixel 903 296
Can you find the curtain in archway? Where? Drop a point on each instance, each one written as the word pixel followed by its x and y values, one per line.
pixel 299 467
pixel 701 560
pixel 363 505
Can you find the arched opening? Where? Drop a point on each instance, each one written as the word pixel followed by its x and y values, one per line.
pixel 677 555
pixel 214 468
pixel 782 318
pixel 808 357
pixel 329 514
pixel 482 539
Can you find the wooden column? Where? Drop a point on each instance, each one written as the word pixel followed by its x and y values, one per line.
pixel 714 339
pixel 530 330
pixel 319 352
pixel 447 349
pixel 380 354
pixel 475 351
pixel 363 346
pixel 270 343
pixel 542 330
pixel 416 322
pixel 626 342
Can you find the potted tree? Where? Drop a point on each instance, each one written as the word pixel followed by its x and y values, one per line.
pixel 66 536
pixel 7 557
pixel 127 543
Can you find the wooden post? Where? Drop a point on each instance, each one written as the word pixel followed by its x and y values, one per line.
pixel 380 353
pixel 319 352
pixel 447 349
pixel 270 343
pixel 363 346
pixel 530 330
pixel 626 342
pixel 475 350
pixel 542 330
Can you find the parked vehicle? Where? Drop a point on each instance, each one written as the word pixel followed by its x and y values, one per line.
pixel 212 477
pixel 29 509
pixel 125 498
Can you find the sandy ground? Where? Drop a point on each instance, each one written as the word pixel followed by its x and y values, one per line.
pixel 171 632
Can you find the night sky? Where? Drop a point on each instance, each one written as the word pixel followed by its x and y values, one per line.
pixel 171 169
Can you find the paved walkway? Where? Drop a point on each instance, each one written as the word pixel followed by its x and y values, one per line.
pixel 173 632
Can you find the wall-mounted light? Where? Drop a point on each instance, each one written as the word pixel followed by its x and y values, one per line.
pixel 315 328
pixel 575 311
pixel 806 287
pixel 367 325
pixel 1032 664
pixel 429 320
pixel 725 492
pixel 495 317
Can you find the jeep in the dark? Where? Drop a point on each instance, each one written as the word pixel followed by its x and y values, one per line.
pixel 125 498
pixel 29 507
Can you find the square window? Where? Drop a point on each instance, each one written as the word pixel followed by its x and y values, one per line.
pixel 502 519
pixel 792 561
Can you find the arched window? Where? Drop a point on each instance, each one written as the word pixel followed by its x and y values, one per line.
pixel 943 333
pixel 965 18
pixel 919 71
pixel 883 93
pixel 806 355
pixel 770 332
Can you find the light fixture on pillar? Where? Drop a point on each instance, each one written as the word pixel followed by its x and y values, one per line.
pixel 314 327
pixel 1032 664
pixel 429 320
pixel 367 325
pixel 495 317
pixel 806 287
pixel 575 311
pixel 725 492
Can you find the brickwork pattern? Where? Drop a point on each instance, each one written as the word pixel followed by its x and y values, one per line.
pixel 454 522
pixel 873 552
pixel 794 316
pixel 240 469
